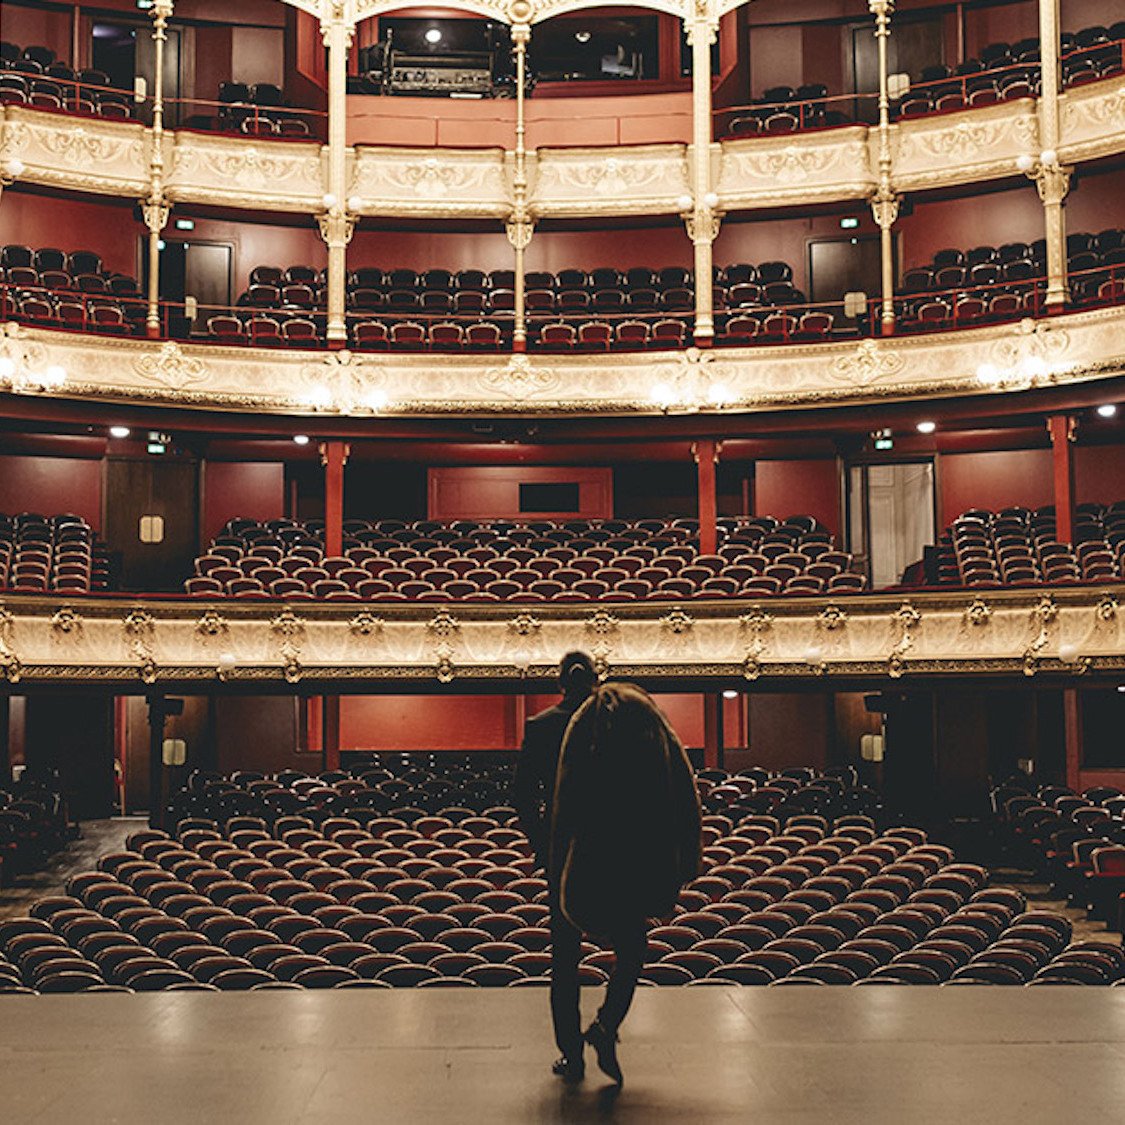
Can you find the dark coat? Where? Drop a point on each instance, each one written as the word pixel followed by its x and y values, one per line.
pixel 533 790
pixel 626 825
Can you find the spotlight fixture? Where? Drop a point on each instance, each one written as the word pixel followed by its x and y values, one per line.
pixel 119 431
pixel 300 439
pixel 1107 410
pixel 433 36
pixel 926 427
pixel 582 36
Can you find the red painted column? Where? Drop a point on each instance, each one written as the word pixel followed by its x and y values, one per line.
pixel 706 455
pixel 1072 727
pixel 1061 427
pixel 712 730
pixel 334 456
pixel 331 716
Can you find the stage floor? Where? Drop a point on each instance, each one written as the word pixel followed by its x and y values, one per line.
pixel 894 1054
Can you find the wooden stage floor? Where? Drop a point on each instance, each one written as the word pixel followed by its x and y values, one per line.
pixel 893 1054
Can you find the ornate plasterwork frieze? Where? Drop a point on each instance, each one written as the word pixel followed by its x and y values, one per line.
pixel 1063 350
pixel 1016 633
pixel 1091 121
pixel 430 182
pixel 634 180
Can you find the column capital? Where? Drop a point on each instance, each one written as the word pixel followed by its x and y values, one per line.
pixel 161 13
pixel 882 10
pixel 337 23
pixel 336 226
pixel 885 206
pixel 519 231
pixel 155 214
pixel 701 24
pixel 1052 180
pixel 702 224
pixel 1059 425
pixel 323 450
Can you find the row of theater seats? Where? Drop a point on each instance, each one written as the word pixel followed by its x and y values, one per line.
pixel 1076 841
pixel 614 560
pixel 34 824
pixel 455 899
pixel 1001 71
pixel 33 76
pixel 51 553
pixel 67 289
pixel 259 109
pixel 1020 546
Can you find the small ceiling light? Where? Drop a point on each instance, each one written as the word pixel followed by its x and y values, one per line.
pixel 730 693
pixel 1025 162
pixel 1107 410
pixel 119 431
pixel 582 36
pixel 1121 688
pixel 433 36
pixel 685 202
pixel 926 427
pixel 300 439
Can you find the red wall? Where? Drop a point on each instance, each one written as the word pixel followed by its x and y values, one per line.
pixel 1099 473
pixel 51 486
pixel 492 491
pixel 792 488
pixel 107 228
pixel 994 480
pixel 254 490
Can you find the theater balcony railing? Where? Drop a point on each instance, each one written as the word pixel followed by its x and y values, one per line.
pixel 116 643
pixel 110 157
pixel 1065 349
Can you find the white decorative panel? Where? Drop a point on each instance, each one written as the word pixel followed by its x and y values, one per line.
pixel 438 182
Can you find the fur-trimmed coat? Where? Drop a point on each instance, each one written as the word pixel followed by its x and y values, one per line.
pixel 626 822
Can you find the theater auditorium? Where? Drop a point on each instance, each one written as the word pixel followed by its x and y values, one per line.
pixel 360 359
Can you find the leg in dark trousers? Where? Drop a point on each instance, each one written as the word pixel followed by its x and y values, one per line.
pixel 566 943
pixel 629 946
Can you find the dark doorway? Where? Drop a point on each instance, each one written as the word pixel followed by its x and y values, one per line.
pixel 115 52
pixel 914 44
pixel 844 265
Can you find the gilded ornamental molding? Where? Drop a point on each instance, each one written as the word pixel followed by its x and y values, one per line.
pixel 1064 350
pixel 134 644
pixel 942 150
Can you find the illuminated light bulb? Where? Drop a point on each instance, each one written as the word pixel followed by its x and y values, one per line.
pixel 1068 652
pixel 926 427
pixel 1107 410
pixel 685 202
pixel 300 439
pixel 329 201
pixel 813 655
pixel 377 400
pixel 718 394
pixel 320 397
pixel 355 203
pixel 7 367
pixel 730 694
pixel 662 395
pixel 226 660
pixel 119 431
pixel 14 168
pixel 1034 366
pixel 1024 162
pixel 711 200
pixel 988 373
pixel 55 375
pixel 1048 156
pixel 582 36
pixel 433 35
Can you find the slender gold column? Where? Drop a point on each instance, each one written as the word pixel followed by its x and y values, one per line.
pixel 154 208
pixel 701 213
pixel 335 222
pixel 1051 179
pixel 520 224
pixel 884 203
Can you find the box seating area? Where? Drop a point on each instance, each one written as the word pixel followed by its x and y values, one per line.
pixel 541 560
pixel 51 553
pixel 67 289
pixel 34 824
pixel 453 898
pixel 259 109
pixel 1019 546
pixel 32 76
pixel 1011 70
pixel 1076 841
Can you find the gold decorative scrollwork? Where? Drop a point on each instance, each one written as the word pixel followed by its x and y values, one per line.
pixel 977 612
pixel 9 662
pixel 443 624
pixel 211 624
pixel 365 624
pixel 525 624
pixel 140 629
pixel 66 622
pixel 677 622
pixel 832 617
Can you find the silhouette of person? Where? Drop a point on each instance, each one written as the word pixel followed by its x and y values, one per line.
pixel 625 835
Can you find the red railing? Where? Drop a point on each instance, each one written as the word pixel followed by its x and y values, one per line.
pixel 63 95
pixel 793 115
pixel 248 119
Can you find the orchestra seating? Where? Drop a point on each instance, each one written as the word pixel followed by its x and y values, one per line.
pixel 541 560
pixel 34 77
pixel 1019 546
pixel 34 824
pixel 354 892
pixel 51 553
pixel 1076 841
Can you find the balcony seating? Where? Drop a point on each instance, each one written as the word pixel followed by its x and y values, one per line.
pixel 1018 546
pixel 407 871
pixel 34 824
pixel 580 560
pixel 40 554
pixel 32 76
